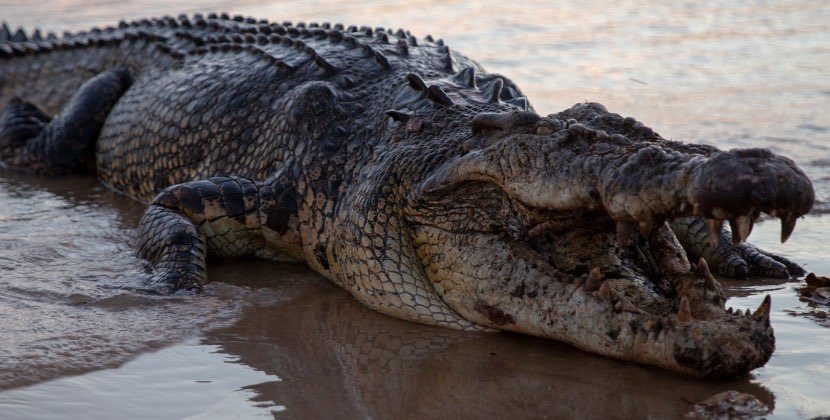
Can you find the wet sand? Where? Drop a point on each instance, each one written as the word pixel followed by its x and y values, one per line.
pixel 273 338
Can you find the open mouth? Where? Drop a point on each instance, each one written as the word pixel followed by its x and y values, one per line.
pixel 648 274
pixel 655 294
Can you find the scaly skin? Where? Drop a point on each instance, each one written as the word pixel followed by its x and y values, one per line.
pixel 400 170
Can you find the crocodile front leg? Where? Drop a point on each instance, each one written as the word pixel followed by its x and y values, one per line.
pixel 740 260
pixel 223 216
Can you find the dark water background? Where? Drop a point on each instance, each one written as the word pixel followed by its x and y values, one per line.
pixel 268 338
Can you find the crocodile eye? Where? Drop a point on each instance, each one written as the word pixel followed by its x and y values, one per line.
pixel 544 129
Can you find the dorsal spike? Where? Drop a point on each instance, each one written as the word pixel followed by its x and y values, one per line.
pixel 428 38
pixel 412 40
pixel 383 37
pixel 491 90
pixel 36 36
pixel 403 47
pixel 325 65
pixel 520 102
pixel 5 32
pixel 19 36
pixel 437 95
pixel 264 29
pixel 448 61
pixel 335 36
pixel 465 78
pixel 51 36
pixel 399 116
pixel 416 82
pixel 439 41
pixel 382 60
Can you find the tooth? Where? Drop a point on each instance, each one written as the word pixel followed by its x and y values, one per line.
pixel 684 314
pixel 715 228
pixel 624 231
pixel 594 280
pixel 730 310
pixel 763 311
pixel 604 291
pixel 703 271
pixel 787 227
pixel 747 312
pixel 736 233
pixel 744 226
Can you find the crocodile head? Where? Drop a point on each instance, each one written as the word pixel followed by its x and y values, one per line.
pixel 556 227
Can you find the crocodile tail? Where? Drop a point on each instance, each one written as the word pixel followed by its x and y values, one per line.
pixel 47 70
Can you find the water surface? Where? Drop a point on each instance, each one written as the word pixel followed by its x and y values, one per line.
pixel 277 339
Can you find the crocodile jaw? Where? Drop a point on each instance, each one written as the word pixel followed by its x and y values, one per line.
pixel 630 317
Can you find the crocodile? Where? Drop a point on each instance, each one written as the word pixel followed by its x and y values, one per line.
pixel 399 169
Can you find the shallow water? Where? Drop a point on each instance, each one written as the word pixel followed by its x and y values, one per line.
pixel 268 338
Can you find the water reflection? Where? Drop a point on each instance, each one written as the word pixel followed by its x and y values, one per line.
pixel 66 253
pixel 335 356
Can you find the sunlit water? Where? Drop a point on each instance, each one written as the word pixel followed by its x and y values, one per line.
pixel 268 338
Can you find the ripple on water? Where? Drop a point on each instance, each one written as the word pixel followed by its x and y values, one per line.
pixel 62 304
